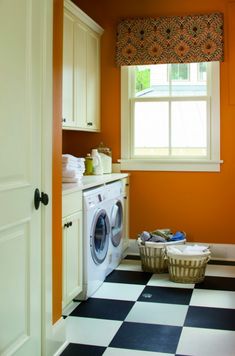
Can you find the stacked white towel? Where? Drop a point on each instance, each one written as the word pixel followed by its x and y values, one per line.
pixel 72 168
pixel 188 249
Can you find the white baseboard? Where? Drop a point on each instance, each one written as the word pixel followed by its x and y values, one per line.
pixel 224 252
pixel 56 338
pixel 61 349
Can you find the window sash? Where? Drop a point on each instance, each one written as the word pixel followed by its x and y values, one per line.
pixel 171 100
pixel 128 162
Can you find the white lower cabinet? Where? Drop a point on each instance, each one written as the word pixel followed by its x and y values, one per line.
pixel 72 247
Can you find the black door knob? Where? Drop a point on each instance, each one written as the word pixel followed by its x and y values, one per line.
pixel 43 198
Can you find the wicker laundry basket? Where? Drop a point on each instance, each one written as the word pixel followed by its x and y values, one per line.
pixel 153 255
pixel 185 268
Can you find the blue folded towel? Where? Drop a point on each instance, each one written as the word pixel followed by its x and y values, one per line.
pixel 178 236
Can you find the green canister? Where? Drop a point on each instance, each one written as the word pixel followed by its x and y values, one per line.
pixel 88 165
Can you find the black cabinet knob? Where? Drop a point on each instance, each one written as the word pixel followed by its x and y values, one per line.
pixel 68 224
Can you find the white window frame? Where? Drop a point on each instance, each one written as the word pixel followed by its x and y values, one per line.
pixel 209 164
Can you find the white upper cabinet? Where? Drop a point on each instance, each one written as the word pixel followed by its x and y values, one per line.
pixel 81 70
pixel 68 64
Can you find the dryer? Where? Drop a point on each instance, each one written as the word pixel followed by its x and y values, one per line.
pixel 96 240
pixel 114 193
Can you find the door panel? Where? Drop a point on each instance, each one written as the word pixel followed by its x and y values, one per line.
pixel 68 63
pixel 93 80
pixel 21 63
pixel 14 276
pixel 80 75
pixel 74 249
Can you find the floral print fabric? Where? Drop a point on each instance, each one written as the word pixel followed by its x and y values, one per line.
pixel 178 39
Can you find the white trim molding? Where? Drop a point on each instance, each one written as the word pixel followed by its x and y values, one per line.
pixel 56 338
pixel 153 165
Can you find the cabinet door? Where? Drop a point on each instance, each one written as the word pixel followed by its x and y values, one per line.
pixel 72 257
pixel 68 64
pixel 80 76
pixel 93 81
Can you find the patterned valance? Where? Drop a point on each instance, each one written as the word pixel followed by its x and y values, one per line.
pixel 177 39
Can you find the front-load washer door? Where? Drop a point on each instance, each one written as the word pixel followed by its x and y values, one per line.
pixel 99 238
pixel 116 221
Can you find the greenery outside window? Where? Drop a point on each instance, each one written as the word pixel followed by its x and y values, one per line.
pixel 202 71
pixel 180 71
pixel 171 124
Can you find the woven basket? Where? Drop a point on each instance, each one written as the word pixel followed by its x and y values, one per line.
pixel 153 256
pixel 187 268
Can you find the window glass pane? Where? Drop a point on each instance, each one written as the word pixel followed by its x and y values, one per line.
pixel 151 81
pixel 151 129
pixel 189 128
pixel 191 87
pixel 142 78
pixel 180 71
pixel 202 74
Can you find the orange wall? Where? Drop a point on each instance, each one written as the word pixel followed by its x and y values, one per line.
pixel 199 203
pixel 57 149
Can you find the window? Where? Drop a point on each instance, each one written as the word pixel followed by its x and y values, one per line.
pixel 170 117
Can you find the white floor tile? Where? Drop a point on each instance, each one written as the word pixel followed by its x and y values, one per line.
pixel 213 298
pixel 158 313
pixel 110 351
pixel 119 291
pixel 91 331
pixel 206 342
pixel 130 265
pixel 221 271
pixel 162 280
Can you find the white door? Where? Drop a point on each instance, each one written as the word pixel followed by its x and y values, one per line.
pixel 21 80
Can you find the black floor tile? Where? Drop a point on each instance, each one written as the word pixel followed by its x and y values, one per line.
pixel 221 263
pixel 212 318
pixel 103 309
pixel 83 350
pixel 129 277
pixel 217 283
pixel 132 257
pixel 140 336
pixel 166 295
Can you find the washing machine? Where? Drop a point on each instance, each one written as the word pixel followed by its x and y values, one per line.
pixel 96 240
pixel 114 193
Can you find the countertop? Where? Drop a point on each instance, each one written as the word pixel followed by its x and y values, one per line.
pixel 91 181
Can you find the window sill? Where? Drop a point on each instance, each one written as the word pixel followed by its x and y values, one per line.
pixel 178 166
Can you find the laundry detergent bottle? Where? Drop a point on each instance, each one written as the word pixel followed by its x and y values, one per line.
pixel 97 163
pixel 106 158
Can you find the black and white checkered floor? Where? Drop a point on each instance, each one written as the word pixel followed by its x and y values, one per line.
pixel 135 313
